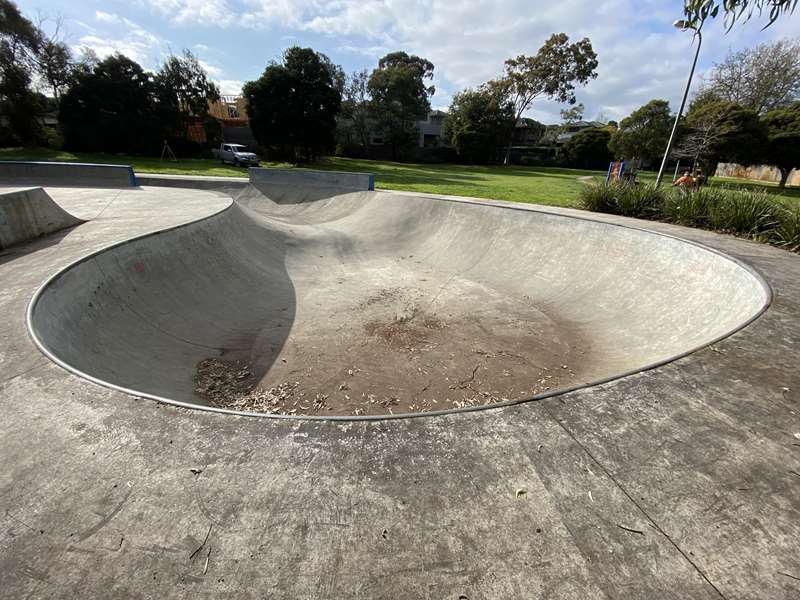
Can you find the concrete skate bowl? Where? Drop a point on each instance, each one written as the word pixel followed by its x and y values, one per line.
pixel 379 305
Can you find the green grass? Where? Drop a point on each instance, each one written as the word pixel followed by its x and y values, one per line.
pixel 140 164
pixel 536 185
pixel 521 184
pixel 752 185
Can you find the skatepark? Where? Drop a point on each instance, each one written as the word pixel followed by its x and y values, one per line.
pixel 458 398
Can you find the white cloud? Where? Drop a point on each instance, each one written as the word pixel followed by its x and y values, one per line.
pixel 213 70
pixel 209 13
pixel 105 17
pixel 641 56
pixel 230 87
pixel 126 37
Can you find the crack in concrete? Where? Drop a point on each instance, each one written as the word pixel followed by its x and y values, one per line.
pixel 641 509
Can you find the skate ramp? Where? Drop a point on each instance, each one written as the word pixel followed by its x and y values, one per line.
pixel 29 213
pixel 368 304
pixel 65 174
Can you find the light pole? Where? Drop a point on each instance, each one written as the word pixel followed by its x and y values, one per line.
pixel 682 25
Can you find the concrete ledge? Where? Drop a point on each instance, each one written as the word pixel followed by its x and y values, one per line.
pixel 30 213
pixel 221 184
pixel 339 181
pixel 67 174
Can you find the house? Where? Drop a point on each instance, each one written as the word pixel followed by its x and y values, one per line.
pixel 528 132
pixel 430 130
pixel 560 134
pixel 231 112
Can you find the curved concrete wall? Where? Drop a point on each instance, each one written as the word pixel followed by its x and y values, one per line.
pixel 142 314
pixel 26 214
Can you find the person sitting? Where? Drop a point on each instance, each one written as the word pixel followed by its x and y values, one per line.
pixel 686 181
pixel 700 179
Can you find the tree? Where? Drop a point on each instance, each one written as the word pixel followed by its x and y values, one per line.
pixel 783 142
pixel 588 149
pixel 697 11
pixel 54 59
pixel 55 65
pixel 553 73
pixel 20 42
pixel 183 92
pixel 572 115
pixel 733 134
pixel 293 105
pixel 762 78
pixel 111 108
pixel 476 124
pixel 644 134
pixel 400 97
pixel 700 140
pixel 356 108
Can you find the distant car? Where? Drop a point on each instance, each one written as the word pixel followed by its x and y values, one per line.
pixel 237 155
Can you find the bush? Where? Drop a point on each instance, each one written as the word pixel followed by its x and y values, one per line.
pixel 787 234
pixel 643 201
pixel 692 208
pixel 755 214
pixel 598 197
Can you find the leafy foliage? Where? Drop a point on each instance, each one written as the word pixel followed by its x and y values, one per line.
pixel 787 234
pixel 293 105
pixel 761 78
pixel 183 91
pixel 476 124
pixel 20 42
pixel 400 96
pixel 722 131
pixel 644 133
pixel 755 214
pixel 354 126
pixel 553 73
pixel 697 11
pixel 111 109
pixel 641 201
pixel 783 142
pixel 588 149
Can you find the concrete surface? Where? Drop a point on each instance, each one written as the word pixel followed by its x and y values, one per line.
pixel 19 172
pixel 678 482
pixel 29 213
pixel 230 185
pixel 266 282
pixel 305 184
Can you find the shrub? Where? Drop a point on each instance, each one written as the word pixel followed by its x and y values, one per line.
pixel 787 233
pixel 643 201
pixel 597 197
pixel 694 208
pixel 744 212
pixel 756 214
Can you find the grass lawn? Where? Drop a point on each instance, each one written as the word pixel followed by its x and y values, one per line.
pixel 537 185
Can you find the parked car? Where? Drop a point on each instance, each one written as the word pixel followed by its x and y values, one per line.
pixel 237 155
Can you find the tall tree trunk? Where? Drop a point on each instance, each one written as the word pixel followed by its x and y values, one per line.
pixel 507 159
pixel 784 177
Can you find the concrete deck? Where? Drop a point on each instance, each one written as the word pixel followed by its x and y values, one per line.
pixel 678 482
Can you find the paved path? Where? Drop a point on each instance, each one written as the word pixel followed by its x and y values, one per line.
pixel 679 482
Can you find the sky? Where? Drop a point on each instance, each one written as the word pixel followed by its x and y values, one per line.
pixel 641 55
